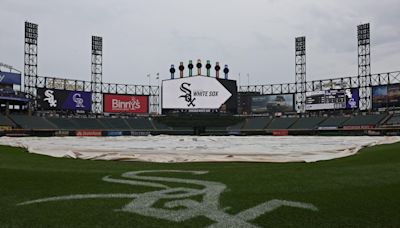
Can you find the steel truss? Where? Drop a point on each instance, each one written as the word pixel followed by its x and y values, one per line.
pixel 335 83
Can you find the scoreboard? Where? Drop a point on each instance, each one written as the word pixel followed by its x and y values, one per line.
pixel 329 99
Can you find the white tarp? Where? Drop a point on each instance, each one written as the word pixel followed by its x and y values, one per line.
pixel 199 148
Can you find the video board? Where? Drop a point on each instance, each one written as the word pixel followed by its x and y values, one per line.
pixel 54 99
pixel 272 103
pixel 332 99
pixel 116 103
pixel 385 96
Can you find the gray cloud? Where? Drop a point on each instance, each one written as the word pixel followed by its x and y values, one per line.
pixel 254 37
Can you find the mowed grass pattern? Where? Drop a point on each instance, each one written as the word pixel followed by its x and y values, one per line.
pixel 357 191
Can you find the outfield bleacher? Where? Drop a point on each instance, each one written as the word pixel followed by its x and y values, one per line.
pixel 139 123
pixel 87 123
pixel 160 126
pixel 63 123
pixel 33 122
pixel 333 122
pixel 236 127
pixel 394 120
pixel 364 120
pixel 307 123
pixel 256 123
pixel 281 123
pixel 114 124
pixel 6 122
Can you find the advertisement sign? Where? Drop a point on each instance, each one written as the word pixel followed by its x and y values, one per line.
pixel 272 103
pixel 379 97
pixel 8 78
pixel 352 98
pixel 197 92
pixel 332 99
pixel 54 99
pixel 84 133
pixel 394 95
pixel 113 103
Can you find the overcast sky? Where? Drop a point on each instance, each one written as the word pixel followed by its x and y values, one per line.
pixel 254 37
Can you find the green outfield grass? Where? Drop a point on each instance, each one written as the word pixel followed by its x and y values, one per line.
pixel 358 191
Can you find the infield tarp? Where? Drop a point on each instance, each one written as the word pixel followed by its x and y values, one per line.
pixel 199 149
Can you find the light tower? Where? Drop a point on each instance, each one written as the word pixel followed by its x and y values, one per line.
pixel 364 65
pixel 97 74
pixel 300 71
pixel 30 57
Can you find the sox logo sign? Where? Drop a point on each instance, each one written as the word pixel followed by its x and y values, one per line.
pixel 198 92
pixel 178 204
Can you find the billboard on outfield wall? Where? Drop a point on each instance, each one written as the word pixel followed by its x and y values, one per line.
pixel 394 95
pixel 272 103
pixel 197 92
pixel 379 97
pixel 115 103
pixel 332 99
pixel 9 78
pixel 55 99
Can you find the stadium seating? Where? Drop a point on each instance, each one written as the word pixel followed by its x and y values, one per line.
pixel 364 120
pixel 87 123
pixel 139 123
pixel 307 123
pixel 6 122
pixel 256 123
pixel 33 122
pixel 236 127
pixel 114 124
pixel 160 126
pixel 281 123
pixel 334 121
pixel 394 120
pixel 63 123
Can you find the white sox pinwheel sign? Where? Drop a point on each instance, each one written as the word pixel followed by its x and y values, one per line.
pixel 197 92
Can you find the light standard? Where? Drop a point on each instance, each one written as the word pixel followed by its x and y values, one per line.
pixel 148 75
pixel 248 79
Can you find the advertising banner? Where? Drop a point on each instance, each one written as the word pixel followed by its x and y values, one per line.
pixel 8 78
pixel 54 99
pixel 113 103
pixel 198 92
pixel 394 95
pixel 83 133
pixel 272 103
pixel 352 98
pixel 379 97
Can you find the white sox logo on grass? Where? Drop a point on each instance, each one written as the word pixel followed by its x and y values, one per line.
pixel 178 204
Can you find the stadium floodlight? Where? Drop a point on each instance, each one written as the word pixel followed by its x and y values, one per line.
pixel 190 66
pixel 172 71
pixel 198 65
pixel 208 67
pixel 181 68
pixel 217 68
pixel 226 71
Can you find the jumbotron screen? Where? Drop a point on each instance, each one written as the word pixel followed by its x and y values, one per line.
pixel 332 99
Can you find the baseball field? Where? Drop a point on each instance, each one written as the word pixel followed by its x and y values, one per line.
pixel 357 191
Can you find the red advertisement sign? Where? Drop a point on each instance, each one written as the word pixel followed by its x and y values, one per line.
pixel 88 133
pixel 113 103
